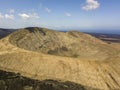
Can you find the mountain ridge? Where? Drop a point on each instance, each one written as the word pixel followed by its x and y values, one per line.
pixel 95 72
pixel 59 43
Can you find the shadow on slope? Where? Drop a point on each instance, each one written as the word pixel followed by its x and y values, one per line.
pixel 12 81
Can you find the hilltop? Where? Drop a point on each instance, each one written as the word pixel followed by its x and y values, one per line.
pixel 70 44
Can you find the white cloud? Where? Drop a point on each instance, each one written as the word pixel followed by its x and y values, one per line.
pixel 30 15
pixel 47 10
pixel 24 16
pixel 68 14
pixel 9 16
pixel 1 16
pixel 91 5
pixel 11 11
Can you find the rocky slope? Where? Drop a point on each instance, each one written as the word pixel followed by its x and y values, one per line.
pixel 42 54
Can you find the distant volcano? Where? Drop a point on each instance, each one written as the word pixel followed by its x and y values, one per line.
pixel 5 32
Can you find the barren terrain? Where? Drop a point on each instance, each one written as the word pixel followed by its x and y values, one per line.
pixel 41 54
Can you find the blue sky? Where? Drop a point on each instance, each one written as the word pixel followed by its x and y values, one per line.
pixel 61 14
